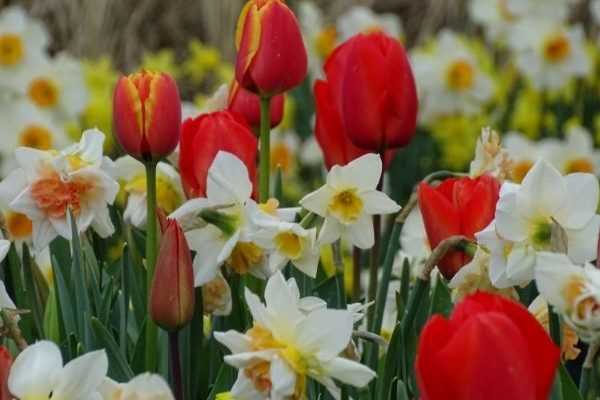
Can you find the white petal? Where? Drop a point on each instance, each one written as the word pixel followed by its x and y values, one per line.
pixel 11 186
pixel 362 173
pixel 43 233
pixel 81 376
pixel 543 191
pixel 236 342
pixel 102 223
pixel 189 208
pixel 228 180
pixel 318 201
pixel 520 264
pixel 242 360
pixel 33 372
pixel 244 389
pixel 582 201
pixel 283 379
pixel 552 272
pixel 350 372
pixel 330 231
pixel 361 233
pixel 582 243
pixel 257 309
pixel 375 202
pixel 510 225
pixel 326 332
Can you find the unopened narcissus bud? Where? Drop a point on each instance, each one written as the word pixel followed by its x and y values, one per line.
pixel 5 363
pixel 373 87
pixel 271 54
pixel 172 296
pixel 490 348
pixel 147 114
pixel 457 206
pixel 247 104
pixel 203 137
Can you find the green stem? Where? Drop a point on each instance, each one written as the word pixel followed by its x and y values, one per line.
pixel 265 149
pixel 554 322
pixel 176 381
pixel 151 253
pixel 374 262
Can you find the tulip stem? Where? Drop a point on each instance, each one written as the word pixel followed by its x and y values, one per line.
pixel 151 250
pixel 175 365
pixel 265 149
pixel 374 266
pixel 586 371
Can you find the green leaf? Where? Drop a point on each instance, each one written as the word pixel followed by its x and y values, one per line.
pixel 392 366
pixel 34 297
pixel 64 298
pixel 119 369
pixel 401 391
pixel 441 300
pixel 332 291
pixel 52 318
pixel 569 388
pixel 224 381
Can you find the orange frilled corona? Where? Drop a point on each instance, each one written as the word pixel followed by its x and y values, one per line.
pixel 147 114
pixel 271 54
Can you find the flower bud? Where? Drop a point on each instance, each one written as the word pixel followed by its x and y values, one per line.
pixel 147 114
pixel 172 296
pixel 5 363
pixel 203 137
pixel 271 55
pixel 247 104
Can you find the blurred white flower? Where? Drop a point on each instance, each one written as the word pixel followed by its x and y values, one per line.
pixel 413 238
pixel 143 387
pixel 575 154
pixel 47 185
pixel 362 19
pixel 38 373
pixel 449 79
pixel 286 346
pixel 131 174
pixel 523 154
pixel 549 54
pixel 56 87
pixel 494 15
pixel 319 39
pixel 573 290
pixel 348 201
pixel 490 157
pixel 595 11
pixel 23 42
pixel 550 10
pixel 216 296
pixel 284 148
pixel 310 152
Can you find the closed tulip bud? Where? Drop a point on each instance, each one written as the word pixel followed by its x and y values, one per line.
pixel 271 54
pixel 330 134
pixel 5 363
pixel 373 88
pixel 147 115
pixel 491 348
pixel 172 295
pixel 247 104
pixel 458 206
pixel 203 137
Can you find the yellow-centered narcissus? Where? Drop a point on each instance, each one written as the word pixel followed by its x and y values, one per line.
pixel 147 114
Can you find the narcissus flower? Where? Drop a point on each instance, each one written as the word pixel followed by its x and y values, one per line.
pixel 574 154
pixel 5 363
pixel 203 137
pixel 372 87
pixel 271 55
pixel 362 19
pixel 247 104
pixel 527 213
pixel 38 373
pixel 490 157
pixel 458 206
pixel 573 290
pixel 47 185
pixel 144 386
pixel 172 295
pixel 285 346
pixel 487 340
pixel 147 114
pixel 348 201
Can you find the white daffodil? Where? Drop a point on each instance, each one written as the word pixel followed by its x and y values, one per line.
pixel 225 235
pixel 475 277
pixel 287 242
pixel 490 157
pixel 216 296
pixel 575 154
pixel 284 147
pixel 362 19
pixel 549 54
pixel 573 290
pixel 523 153
pixel 38 373
pixel 413 238
pixel 131 174
pixel 23 43
pixel 319 39
pixel 286 346
pixel 449 79
pixel 56 87
pixel 348 201
pixel 24 125
pixel 143 387
pixel 550 10
pixel 310 153
pixel 526 215
pixel 47 185
pixel 494 15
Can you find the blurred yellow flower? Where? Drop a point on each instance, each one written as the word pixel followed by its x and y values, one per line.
pixel 457 136
pixel 201 61
pixel 163 61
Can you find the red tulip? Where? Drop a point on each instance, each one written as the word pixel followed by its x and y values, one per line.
pixel 491 348
pixel 247 104
pixel 329 131
pixel 458 206
pixel 5 363
pixel 271 55
pixel 172 296
pixel 147 114
pixel 203 137
pixel 372 86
